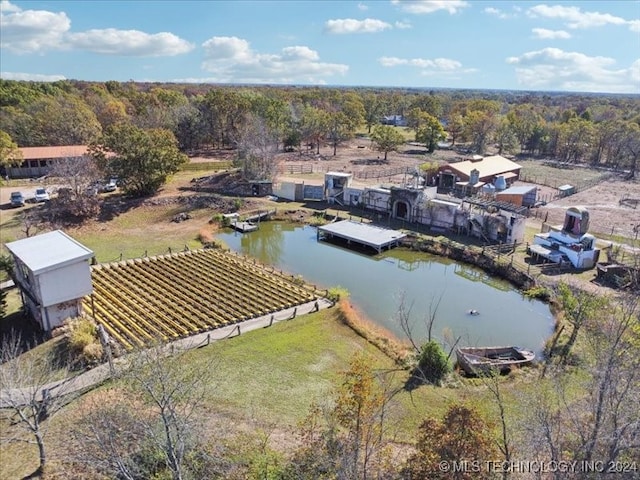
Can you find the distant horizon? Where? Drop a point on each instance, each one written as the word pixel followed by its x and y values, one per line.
pixel 370 87
pixel 524 45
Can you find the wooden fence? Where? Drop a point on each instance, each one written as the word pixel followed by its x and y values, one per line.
pixel 296 168
pixel 555 183
pixel 382 173
pixel 206 166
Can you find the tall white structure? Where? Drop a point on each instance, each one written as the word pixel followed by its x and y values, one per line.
pixel 569 241
pixel 53 273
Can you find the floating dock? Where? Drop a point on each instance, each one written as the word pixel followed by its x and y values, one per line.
pixel 244 227
pixel 372 236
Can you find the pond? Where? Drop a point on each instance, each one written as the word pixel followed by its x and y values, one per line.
pixel 377 282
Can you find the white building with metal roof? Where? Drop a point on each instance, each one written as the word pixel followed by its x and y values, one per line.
pixel 53 273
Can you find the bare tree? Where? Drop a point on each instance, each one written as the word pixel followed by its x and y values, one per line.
pixel 594 418
pixel 432 363
pixel 153 411
pixel 492 382
pixel 257 148
pixel 31 222
pixel 406 323
pixel 75 173
pixel 77 193
pixel 29 393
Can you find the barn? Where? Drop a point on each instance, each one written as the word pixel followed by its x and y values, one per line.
pixel 38 161
pixel 471 175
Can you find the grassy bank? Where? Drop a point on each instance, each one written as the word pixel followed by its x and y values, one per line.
pixel 267 380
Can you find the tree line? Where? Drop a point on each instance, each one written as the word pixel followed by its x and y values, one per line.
pixel 260 120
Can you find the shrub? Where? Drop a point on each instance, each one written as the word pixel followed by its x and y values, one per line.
pixel 432 363
pixel 336 293
pixel 205 236
pixel 82 340
pixel 82 332
pixel 238 203
pixel 92 353
pixel 539 292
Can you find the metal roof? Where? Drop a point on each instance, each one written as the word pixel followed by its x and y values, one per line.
pixel 363 233
pixel 519 190
pixel 42 153
pixel 339 174
pixel 49 251
pixel 488 166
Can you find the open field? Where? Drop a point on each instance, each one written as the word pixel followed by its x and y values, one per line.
pixel 606 214
pixel 554 175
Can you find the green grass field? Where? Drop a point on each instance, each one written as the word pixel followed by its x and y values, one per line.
pixel 143 230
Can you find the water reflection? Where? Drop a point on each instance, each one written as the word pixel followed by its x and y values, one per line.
pixel 267 248
pixel 376 282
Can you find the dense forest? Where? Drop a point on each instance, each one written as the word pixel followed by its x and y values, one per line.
pixel 585 128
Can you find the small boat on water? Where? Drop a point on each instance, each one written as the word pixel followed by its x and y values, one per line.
pixel 476 361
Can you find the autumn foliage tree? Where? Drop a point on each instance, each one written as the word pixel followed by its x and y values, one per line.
pixel 462 436
pixel 349 441
pixel 10 154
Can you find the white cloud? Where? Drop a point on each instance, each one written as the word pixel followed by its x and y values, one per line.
pixel 35 31
pixel 555 69
pixel 574 17
pixel 545 34
pixel 402 25
pixel 129 43
pixel 350 25
pixel 231 59
pixel 6 6
pixel 436 66
pixel 430 6
pixel 634 25
pixel 363 7
pixel 31 77
pixel 29 31
pixel 496 12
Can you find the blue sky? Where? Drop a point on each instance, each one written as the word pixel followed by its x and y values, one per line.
pixel 590 46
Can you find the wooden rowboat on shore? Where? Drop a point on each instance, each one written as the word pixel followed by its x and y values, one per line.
pixel 482 360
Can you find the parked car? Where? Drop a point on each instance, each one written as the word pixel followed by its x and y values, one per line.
pixel 17 200
pixel 110 186
pixel 41 195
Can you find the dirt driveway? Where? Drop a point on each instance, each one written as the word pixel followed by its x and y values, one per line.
pixel 606 213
